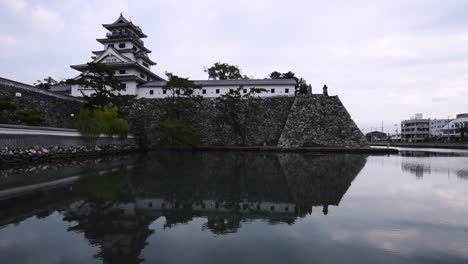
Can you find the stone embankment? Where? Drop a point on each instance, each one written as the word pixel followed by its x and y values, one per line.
pixel 12 155
pixel 60 110
pixel 282 121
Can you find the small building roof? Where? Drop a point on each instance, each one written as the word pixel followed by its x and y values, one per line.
pixel 239 82
pixel 376 133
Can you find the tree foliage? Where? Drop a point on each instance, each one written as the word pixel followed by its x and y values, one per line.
pixel 7 109
pixel 237 110
pixel 301 84
pixel 224 71
pixel 46 83
pixel 181 95
pixel 30 118
pixel 105 86
pixel 94 122
pixel 463 132
pixel 175 133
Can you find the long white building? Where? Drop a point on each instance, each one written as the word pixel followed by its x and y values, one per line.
pixel 125 52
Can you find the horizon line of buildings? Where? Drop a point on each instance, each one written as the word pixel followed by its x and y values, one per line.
pixel 417 129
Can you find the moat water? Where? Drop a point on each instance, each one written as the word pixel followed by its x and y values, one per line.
pixel 238 208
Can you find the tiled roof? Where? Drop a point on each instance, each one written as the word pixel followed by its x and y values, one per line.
pixel 240 82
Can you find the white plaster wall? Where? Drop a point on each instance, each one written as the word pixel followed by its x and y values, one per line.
pixel 144 92
pixel 130 90
pixel 128 45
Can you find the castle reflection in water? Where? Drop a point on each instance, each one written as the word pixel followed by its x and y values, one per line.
pixel 113 203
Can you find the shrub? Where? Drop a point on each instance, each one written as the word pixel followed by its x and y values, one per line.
pixel 101 121
pixel 30 117
pixel 7 107
pixel 174 133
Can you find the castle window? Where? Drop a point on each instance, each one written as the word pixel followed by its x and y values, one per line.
pixel 145 64
pixel 122 45
pixel 164 91
pixel 142 75
pixel 217 91
pixel 272 90
pixel 286 90
pixel 151 92
pixel 244 91
pixel 203 91
pixel 231 90
pixel 122 71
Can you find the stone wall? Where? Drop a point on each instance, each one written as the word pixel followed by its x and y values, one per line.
pixel 56 107
pixel 302 121
pixel 264 126
pixel 318 120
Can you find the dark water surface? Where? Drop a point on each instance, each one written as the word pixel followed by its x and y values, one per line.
pixel 238 208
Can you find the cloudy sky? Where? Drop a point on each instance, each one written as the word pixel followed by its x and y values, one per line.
pixel 386 59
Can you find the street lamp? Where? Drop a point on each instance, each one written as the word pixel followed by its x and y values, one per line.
pixel 17 96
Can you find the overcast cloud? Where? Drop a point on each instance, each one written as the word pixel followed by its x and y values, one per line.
pixel 385 59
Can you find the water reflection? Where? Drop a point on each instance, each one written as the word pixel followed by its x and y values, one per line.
pixel 115 208
pixel 422 166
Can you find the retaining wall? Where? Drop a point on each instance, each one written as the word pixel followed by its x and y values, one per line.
pixel 301 121
pixel 58 108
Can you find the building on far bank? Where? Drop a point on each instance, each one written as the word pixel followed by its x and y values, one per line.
pixel 124 51
pixel 415 129
pixel 375 136
pixel 437 126
pixel 452 129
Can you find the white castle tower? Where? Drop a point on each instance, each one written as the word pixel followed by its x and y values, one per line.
pixel 124 51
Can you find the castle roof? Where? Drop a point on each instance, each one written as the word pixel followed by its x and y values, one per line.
pixel 122 22
pixel 239 82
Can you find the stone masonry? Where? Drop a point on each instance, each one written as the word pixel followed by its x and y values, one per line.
pixel 57 108
pixel 319 120
pixel 301 121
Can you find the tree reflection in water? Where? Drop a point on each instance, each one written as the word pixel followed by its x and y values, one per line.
pixel 114 210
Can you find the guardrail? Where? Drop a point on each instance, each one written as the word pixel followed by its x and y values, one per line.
pixel 18 136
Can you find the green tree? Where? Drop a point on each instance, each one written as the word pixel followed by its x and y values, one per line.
pixel 172 130
pixel 463 131
pixel 105 86
pixel 7 109
pixel 237 110
pixel 175 133
pixel 94 122
pixel 30 118
pixel 46 83
pixel 224 71
pixel 181 95
pixel 301 84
